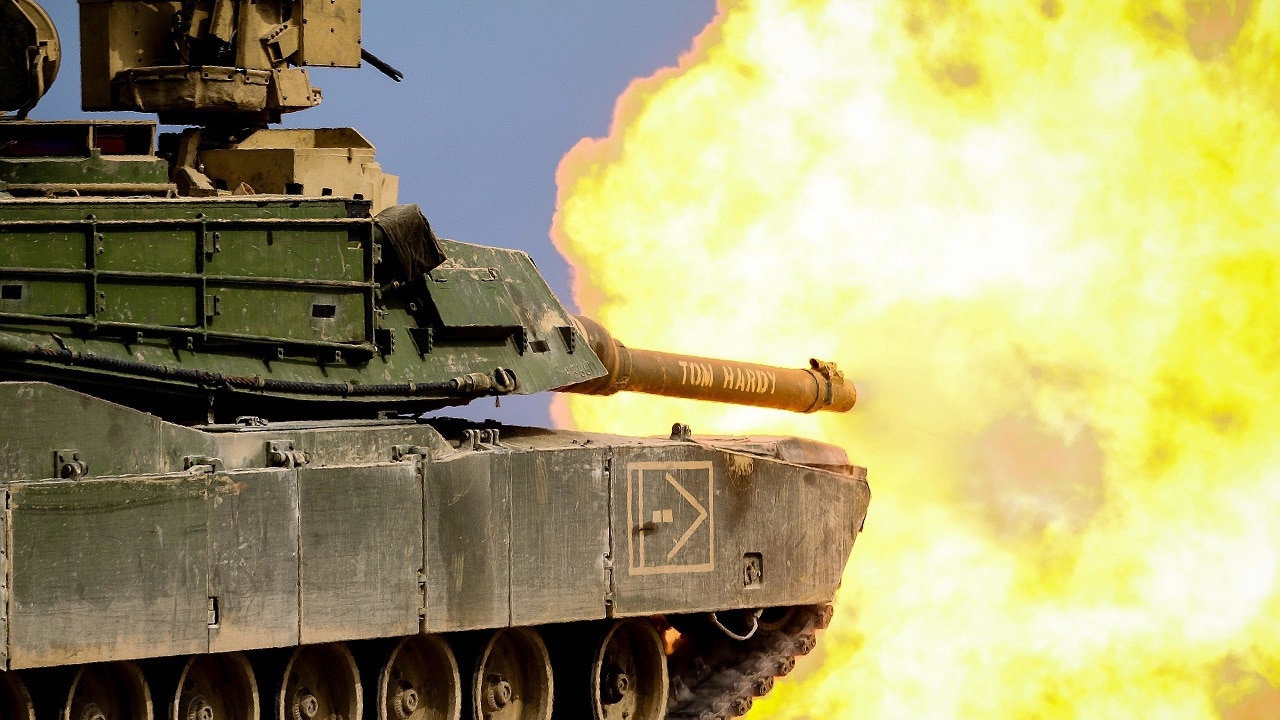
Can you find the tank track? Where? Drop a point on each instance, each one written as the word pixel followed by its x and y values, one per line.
pixel 715 677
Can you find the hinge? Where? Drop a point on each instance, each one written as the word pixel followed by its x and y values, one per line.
pixel 280 453
pixel 422 595
pixel 213 611
pixel 609 596
pixel 212 244
pixel 212 306
pixel 484 439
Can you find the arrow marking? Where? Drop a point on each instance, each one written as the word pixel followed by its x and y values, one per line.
pixel 702 516
pixel 685 554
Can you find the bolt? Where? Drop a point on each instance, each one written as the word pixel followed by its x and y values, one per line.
pixel 308 705
pixel 199 709
pixel 91 712
pixel 762 686
pixel 615 685
pixel 498 693
pixel 806 642
pixel 785 665
pixel 408 699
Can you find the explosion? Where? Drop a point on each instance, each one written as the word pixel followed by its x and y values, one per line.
pixel 1040 238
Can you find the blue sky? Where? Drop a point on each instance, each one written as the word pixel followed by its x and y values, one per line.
pixel 494 94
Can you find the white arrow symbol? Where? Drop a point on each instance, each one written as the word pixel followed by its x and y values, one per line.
pixel 702 516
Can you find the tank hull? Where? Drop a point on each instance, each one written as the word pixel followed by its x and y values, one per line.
pixel 127 537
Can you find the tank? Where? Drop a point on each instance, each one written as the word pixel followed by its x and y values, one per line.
pixel 229 489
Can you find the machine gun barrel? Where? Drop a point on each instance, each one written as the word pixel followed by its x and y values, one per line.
pixel 818 387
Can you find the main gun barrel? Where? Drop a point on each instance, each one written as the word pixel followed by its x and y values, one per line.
pixel 818 387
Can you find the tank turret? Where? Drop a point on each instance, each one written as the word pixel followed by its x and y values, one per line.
pixel 159 303
pixel 141 274
pixel 221 492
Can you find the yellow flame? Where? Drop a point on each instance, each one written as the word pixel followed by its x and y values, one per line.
pixel 1041 236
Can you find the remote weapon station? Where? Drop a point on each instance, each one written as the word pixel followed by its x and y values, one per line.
pixel 222 498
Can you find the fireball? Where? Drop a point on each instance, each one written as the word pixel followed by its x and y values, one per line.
pixel 1042 239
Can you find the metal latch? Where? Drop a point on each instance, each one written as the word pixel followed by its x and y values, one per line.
pixel 202 462
pixel 405 452
pixel 752 570
pixel 68 465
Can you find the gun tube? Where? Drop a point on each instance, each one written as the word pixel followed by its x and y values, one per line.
pixel 819 387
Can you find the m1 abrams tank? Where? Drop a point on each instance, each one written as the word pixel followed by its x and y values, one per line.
pixel 166 551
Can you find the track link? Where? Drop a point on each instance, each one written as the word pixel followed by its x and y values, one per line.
pixel 714 677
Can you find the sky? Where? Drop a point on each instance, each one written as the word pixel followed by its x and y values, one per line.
pixel 494 94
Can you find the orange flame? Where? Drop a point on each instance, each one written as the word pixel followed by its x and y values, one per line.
pixel 1040 236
